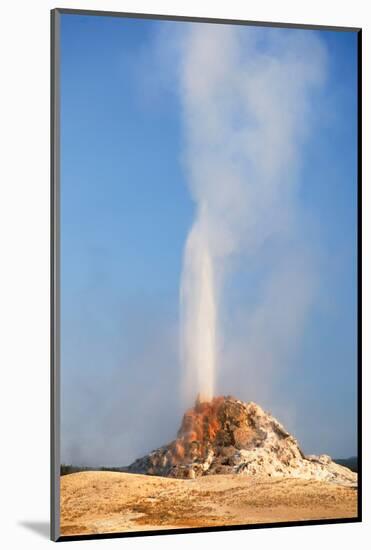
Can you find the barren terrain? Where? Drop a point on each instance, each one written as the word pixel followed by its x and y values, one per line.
pixel 105 502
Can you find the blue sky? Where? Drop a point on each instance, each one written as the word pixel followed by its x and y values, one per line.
pixel 125 214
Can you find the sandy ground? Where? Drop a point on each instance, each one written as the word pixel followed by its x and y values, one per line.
pixel 104 502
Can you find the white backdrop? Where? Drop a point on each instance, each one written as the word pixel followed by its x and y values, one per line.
pixel 24 272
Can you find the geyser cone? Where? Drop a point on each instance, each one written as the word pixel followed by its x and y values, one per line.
pixel 228 436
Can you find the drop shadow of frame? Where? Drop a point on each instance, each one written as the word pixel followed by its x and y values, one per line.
pixel 41 528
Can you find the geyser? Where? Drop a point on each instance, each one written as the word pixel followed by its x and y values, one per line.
pixel 198 303
pixel 245 96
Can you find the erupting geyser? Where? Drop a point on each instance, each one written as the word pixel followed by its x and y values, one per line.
pixel 198 304
pixel 245 101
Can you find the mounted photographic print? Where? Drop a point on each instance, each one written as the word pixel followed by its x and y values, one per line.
pixel 205 274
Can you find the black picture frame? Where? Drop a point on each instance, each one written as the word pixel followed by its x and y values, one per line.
pixel 55 272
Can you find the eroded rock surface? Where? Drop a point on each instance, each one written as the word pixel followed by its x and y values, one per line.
pixel 227 436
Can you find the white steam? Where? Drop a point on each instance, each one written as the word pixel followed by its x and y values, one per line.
pixel 199 313
pixel 246 96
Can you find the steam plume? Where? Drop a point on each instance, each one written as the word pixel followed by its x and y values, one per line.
pixel 246 96
pixel 198 302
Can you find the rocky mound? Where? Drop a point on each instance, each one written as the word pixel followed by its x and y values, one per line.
pixel 227 436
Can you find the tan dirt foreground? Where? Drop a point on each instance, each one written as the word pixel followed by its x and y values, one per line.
pixel 107 502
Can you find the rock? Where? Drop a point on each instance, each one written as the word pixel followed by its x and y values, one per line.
pixel 227 436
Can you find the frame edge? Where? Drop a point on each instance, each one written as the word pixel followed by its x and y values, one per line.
pixel 54 279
